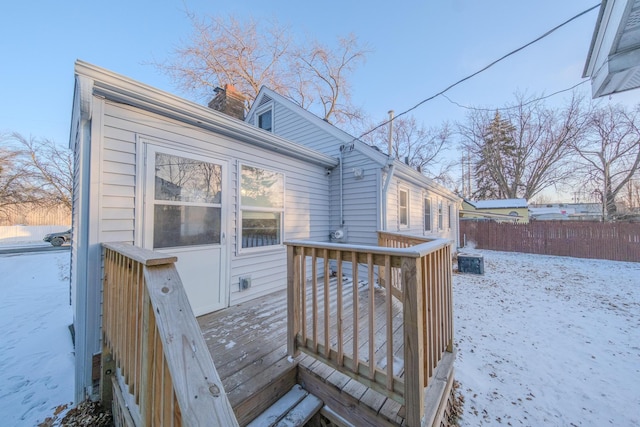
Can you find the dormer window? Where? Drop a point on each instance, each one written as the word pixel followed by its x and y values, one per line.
pixel 265 120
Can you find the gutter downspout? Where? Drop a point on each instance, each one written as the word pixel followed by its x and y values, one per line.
pixel 342 147
pixel 385 188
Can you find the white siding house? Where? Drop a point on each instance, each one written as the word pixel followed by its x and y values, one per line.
pixel 368 186
pixel 222 195
pixel 164 173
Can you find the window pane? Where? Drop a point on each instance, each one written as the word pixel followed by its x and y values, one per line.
pixel 260 229
pixel 185 226
pixel 187 180
pixel 427 214
pixel 261 188
pixel 264 120
pixel 404 214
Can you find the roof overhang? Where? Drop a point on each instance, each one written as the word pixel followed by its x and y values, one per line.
pixel 613 62
pixel 93 81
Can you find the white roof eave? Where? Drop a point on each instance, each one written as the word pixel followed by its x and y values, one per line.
pixel 122 89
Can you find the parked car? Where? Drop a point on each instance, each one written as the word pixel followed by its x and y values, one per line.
pixel 57 239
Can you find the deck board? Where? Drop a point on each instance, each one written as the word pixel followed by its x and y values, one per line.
pixel 248 345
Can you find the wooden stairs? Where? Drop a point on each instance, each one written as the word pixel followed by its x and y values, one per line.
pixel 294 409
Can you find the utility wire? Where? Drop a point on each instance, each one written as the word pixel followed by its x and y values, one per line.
pixel 531 101
pixel 451 86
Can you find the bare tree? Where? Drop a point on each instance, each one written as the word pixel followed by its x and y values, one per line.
pixel 250 54
pixel 610 152
pixel 44 170
pixel 523 149
pixel 420 147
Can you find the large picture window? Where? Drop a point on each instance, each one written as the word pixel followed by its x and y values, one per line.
pixel 261 207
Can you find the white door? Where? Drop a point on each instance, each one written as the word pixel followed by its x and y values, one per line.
pixel 184 216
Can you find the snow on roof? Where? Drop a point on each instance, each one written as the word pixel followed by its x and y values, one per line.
pixel 502 203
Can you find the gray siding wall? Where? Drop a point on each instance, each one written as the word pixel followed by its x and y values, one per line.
pixel 294 127
pixel 361 200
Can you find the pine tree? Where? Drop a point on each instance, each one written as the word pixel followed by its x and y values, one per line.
pixel 494 169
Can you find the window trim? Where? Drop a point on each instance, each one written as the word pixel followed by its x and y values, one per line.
pixel 426 199
pixel 440 215
pixel 407 207
pixel 258 249
pixel 263 110
pixel 450 211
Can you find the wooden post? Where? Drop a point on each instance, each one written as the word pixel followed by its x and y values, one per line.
pixel 293 293
pixel 413 340
pixel 107 370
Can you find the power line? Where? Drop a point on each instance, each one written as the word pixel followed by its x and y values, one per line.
pixel 531 101
pixel 451 86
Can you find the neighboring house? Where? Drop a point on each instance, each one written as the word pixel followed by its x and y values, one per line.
pixel 566 211
pixel 163 173
pixel 369 190
pixel 613 61
pixel 503 210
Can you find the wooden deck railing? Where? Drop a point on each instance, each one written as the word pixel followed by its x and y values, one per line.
pixel 395 350
pixel 151 336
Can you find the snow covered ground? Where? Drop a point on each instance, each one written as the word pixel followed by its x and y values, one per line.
pixel 549 341
pixel 36 352
pixel 541 340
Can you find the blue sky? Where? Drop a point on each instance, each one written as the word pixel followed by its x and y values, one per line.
pixel 419 48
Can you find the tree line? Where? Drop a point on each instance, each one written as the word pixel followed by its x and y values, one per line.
pixel 515 151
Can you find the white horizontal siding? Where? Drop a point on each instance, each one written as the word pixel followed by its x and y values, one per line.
pixel 306 203
pixel 416 212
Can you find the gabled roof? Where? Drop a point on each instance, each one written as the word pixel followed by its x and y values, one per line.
pixel 95 81
pixel 613 61
pixel 499 203
pixel 402 170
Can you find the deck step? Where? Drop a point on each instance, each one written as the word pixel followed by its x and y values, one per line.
pixel 294 409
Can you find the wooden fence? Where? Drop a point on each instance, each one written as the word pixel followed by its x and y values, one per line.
pixel 612 241
pixel 31 214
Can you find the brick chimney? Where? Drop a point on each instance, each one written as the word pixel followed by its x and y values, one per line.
pixel 228 101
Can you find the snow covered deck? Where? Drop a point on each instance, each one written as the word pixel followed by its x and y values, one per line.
pixel 248 344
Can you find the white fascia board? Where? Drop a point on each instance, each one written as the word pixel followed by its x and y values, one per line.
pixel 122 89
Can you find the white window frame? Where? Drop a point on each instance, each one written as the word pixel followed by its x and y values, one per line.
pixel 440 216
pixel 407 207
pixel 450 210
pixel 241 209
pixel 261 112
pixel 427 227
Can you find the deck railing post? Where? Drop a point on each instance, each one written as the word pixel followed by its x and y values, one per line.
pixel 413 340
pixel 293 297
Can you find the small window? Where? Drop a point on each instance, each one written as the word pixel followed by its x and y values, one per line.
pixel 265 120
pixel 440 219
pixel 261 207
pixel 403 208
pixel 450 207
pixel 427 214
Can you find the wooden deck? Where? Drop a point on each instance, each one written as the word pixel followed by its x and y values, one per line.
pixel 248 345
